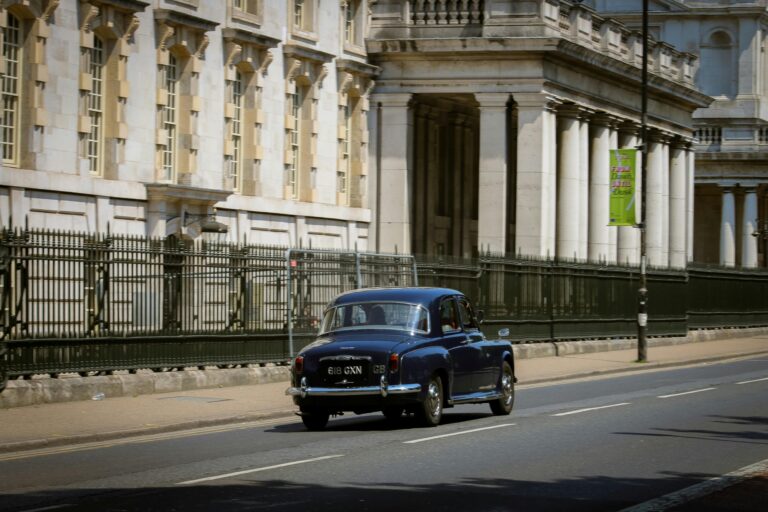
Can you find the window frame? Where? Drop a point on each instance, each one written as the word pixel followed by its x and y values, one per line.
pixel 169 118
pixel 12 143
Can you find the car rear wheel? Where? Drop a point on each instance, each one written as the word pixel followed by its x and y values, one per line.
pixel 315 419
pixel 503 405
pixel 431 410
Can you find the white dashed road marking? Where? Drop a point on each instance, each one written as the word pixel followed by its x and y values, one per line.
pixel 578 411
pixel 753 380
pixel 256 470
pixel 457 433
pixel 686 393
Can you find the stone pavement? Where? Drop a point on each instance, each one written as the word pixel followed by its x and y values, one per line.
pixel 52 424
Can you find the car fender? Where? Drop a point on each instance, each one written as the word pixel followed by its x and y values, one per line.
pixel 418 365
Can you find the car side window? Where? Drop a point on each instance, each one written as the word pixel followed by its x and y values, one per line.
pixel 449 320
pixel 468 319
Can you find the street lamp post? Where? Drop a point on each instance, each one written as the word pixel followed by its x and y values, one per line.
pixel 642 302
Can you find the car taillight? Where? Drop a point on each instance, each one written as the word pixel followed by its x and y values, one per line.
pixel 298 365
pixel 394 363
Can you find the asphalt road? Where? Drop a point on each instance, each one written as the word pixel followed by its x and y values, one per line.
pixel 601 444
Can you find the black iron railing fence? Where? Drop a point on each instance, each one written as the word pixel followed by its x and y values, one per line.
pixel 74 302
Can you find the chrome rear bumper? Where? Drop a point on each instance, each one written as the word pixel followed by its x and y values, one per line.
pixel 383 389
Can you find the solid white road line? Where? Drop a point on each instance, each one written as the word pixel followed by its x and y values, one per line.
pixel 590 409
pixel 413 441
pixel 686 393
pixel 256 470
pixel 696 491
pixel 52 507
pixel 753 380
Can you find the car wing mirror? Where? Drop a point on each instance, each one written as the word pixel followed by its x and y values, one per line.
pixel 480 316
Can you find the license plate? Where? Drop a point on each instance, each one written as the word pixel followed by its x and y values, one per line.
pixel 350 370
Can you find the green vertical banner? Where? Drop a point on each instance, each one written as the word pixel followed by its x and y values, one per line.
pixel 622 187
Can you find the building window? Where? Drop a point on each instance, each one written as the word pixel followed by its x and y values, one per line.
pixel 235 159
pixel 246 6
pixel 295 100
pixel 298 13
pixel 94 139
pixel 169 79
pixel 11 100
pixel 350 21
pixel 342 184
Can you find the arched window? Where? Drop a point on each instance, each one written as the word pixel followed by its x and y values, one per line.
pixel 11 90
pixel 717 75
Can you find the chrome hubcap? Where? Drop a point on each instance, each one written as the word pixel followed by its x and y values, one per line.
pixel 433 398
pixel 506 387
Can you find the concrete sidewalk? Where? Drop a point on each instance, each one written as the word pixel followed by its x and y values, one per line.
pixel 52 424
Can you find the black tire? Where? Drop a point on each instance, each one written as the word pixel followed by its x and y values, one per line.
pixel 502 406
pixel 430 411
pixel 315 420
pixel 393 413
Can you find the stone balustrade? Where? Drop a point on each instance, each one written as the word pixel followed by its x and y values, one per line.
pixel 510 19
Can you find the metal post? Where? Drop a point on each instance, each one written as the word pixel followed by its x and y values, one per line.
pixel 289 291
pixel 642 303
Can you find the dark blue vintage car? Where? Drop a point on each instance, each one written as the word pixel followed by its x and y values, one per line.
pixel 396 350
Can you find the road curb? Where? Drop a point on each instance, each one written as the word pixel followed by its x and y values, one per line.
pixel 641 367
pixel 37 444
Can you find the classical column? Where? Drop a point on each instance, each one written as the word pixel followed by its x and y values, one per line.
pixel 749 226
pixel 459 176
pixel 536 190
pixel 690 200
pixel 628 237
pixel 613 231
pixel 665 203
pixel 584 196
pixel 598 188
pixel 677 214
pixel 728 229
pixel 492 193
pixel 395 172
pixel 420 175
pixel 654 202
pixel 568 164
pixel 470 194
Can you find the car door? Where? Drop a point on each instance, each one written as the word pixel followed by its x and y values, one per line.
pixel 466 357
pixel 486 374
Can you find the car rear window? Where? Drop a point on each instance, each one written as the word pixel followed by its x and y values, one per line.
pixel 376 315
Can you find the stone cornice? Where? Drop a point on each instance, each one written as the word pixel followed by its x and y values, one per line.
pixel 131 6
pixel 176 18
pixel 304 53
pixel 185 194
pixel 245 36
pixel 357 68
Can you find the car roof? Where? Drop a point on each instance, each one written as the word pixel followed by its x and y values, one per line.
pixel 413 295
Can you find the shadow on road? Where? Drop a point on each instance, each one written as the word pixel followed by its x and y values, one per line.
pixel 731 436
pixel 375 422
pixel 589 494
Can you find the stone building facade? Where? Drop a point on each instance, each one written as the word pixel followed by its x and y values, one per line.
pixel 149 117
pixel 731 191
pixel 438 127
pixel 494 124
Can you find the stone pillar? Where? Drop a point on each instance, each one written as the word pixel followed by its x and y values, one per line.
pixel 690 200
pixel 654 201
pixel 395 172
pixel 677 215
pixel 492 193
pixel 749 226
pixel 584 196
pixel 568 164
pixel 613 231
pixel 598 189
pixel 459 178
pixel 470 194
pixel 665 203
pixel 628 237
pixel 536 191
pixel 728 229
